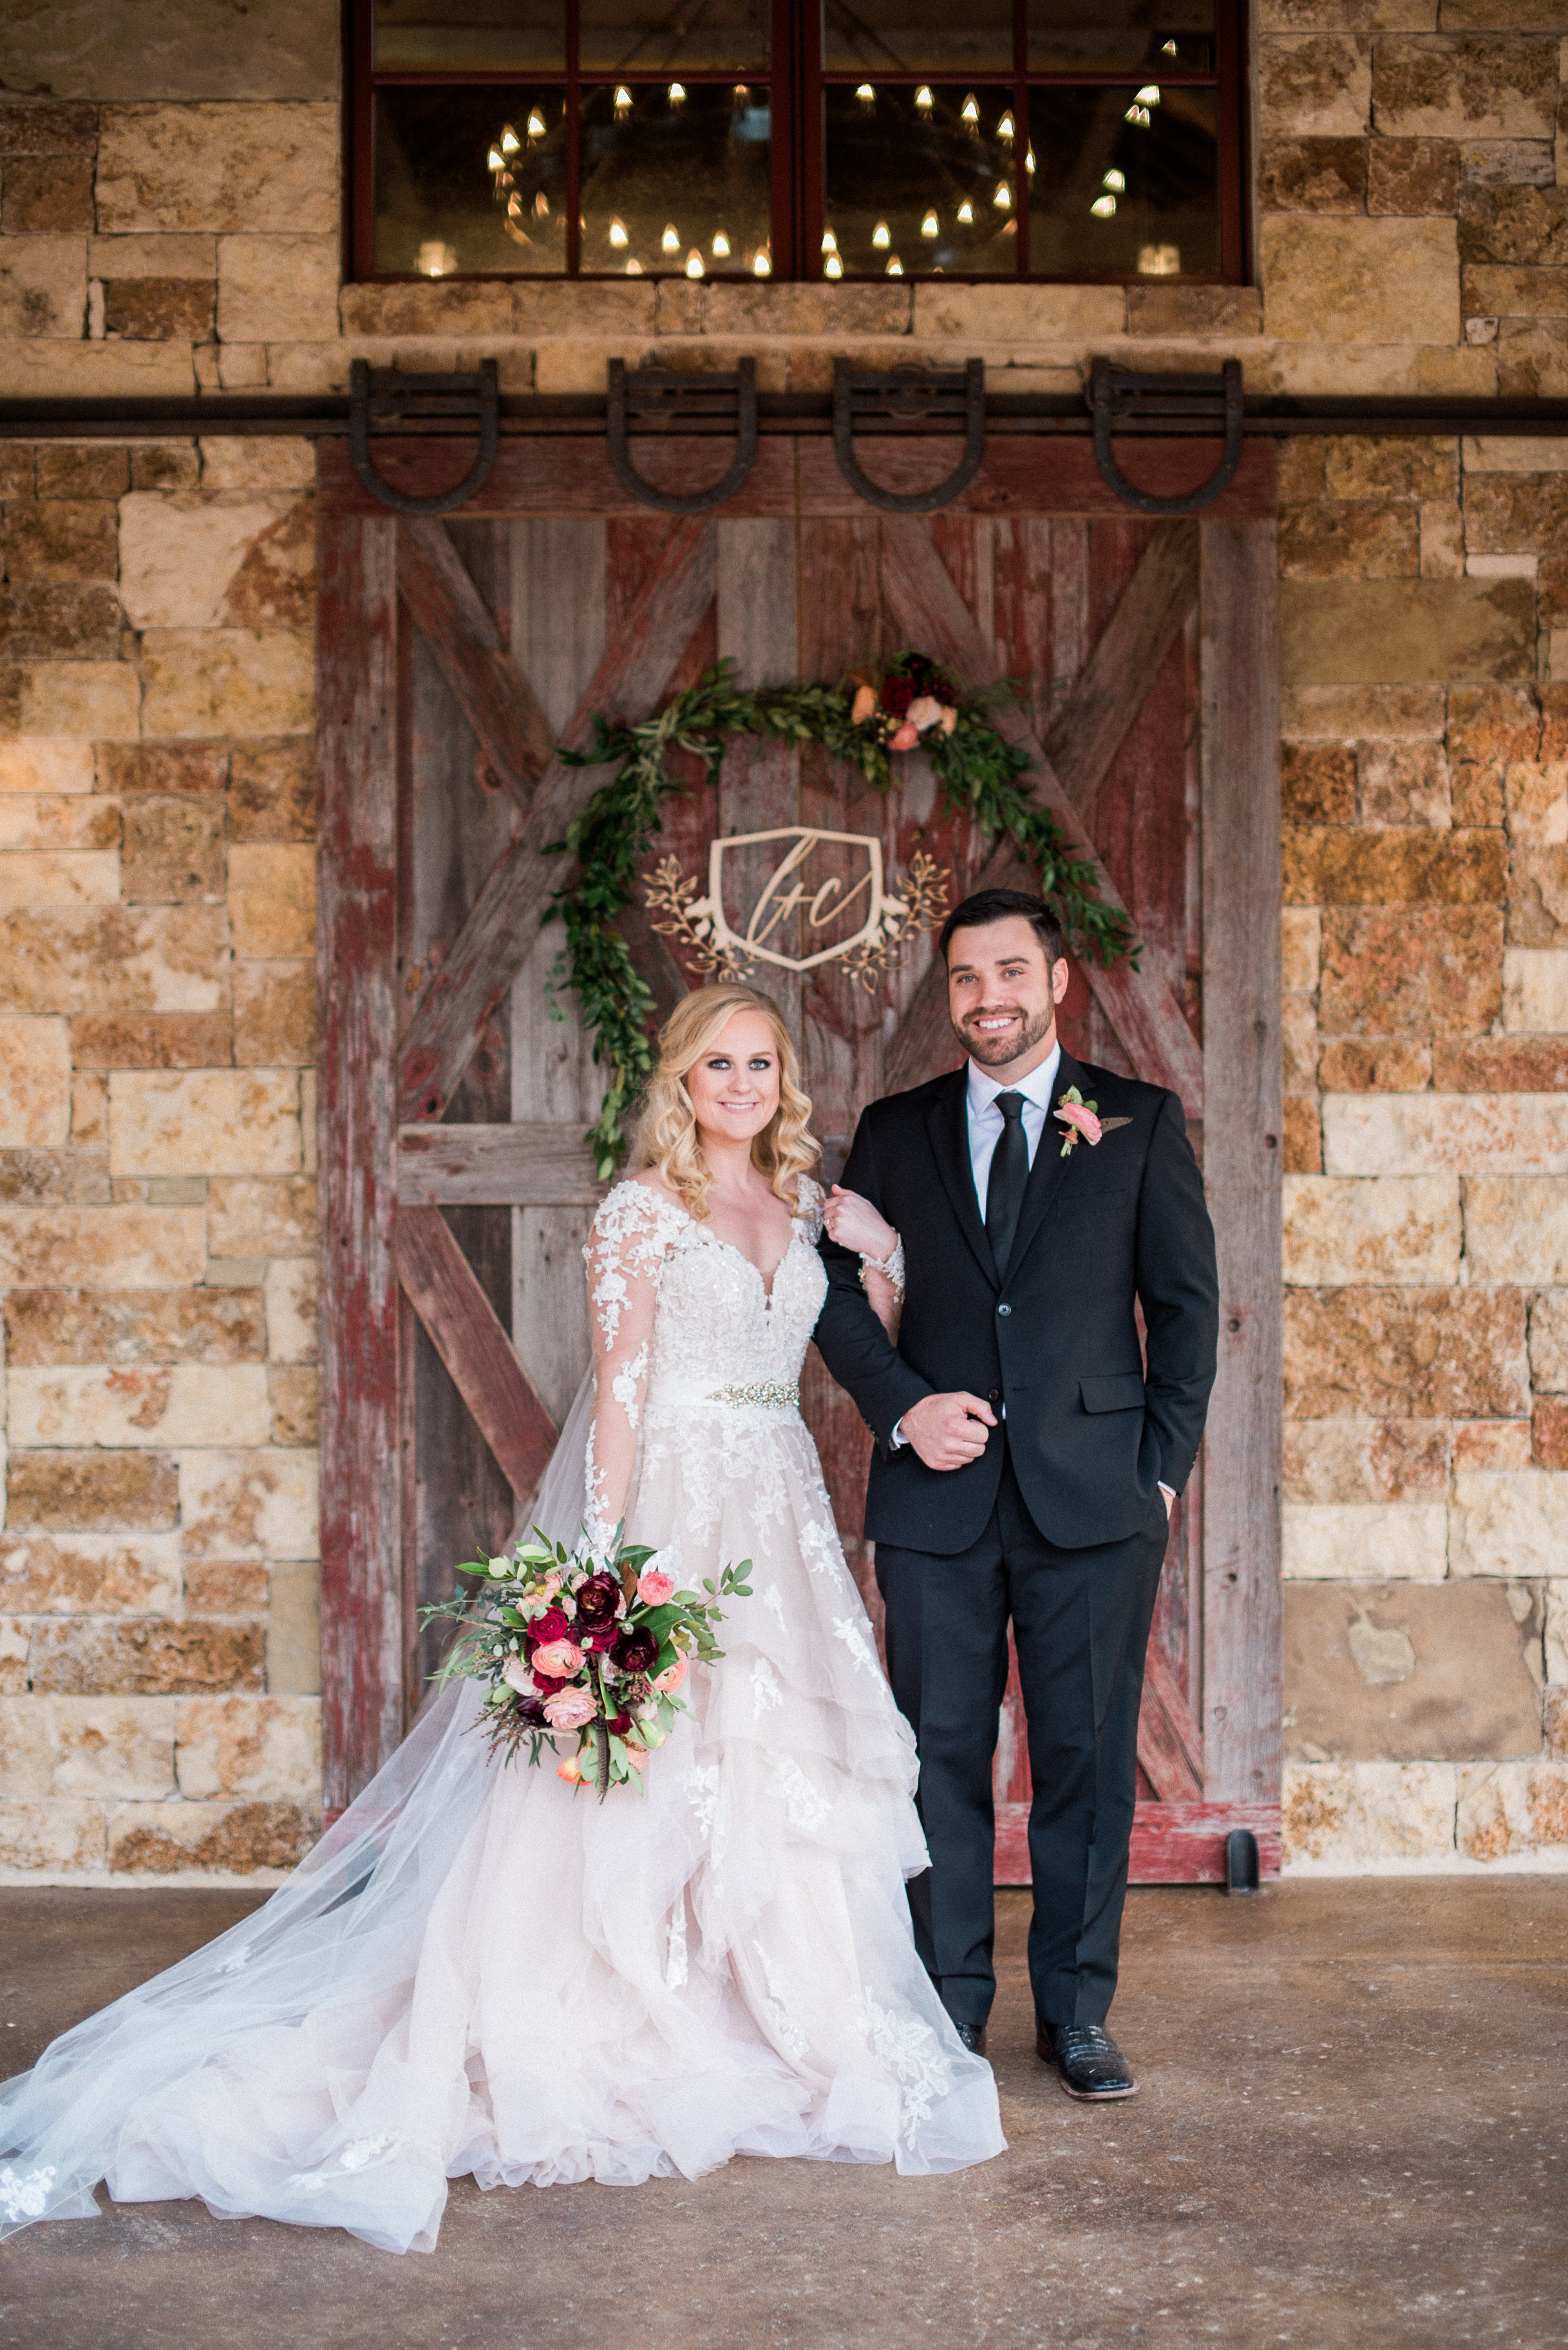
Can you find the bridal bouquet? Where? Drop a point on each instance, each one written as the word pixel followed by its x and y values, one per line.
pixel 575 1642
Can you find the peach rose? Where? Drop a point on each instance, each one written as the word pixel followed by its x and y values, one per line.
pixel 558 1659
pixel 569 1709
pixel 948 718
pixel 670 1680
pixel 864 703
pixel 905 739
pixel 653 1586
pixel 571 1769
pixel 923 712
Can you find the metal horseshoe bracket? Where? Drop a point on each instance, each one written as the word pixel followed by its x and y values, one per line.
pixel 907 396
pixel 660 396
pixel 1120 397
pixel 390 398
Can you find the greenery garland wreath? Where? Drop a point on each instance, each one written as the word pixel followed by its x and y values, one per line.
pixel 865 722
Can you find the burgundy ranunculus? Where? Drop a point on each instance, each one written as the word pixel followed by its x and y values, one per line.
pixel 531 1710
pixel 618 1724
pixel 638 1651
pixel 551 1626
pixel 601 1639
pixel 598 1600
pixel 896 695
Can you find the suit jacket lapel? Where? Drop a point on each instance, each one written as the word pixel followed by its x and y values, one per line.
pixel 1049 1164
pixel 946 1122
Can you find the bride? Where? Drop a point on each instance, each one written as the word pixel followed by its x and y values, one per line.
pixel 480 1970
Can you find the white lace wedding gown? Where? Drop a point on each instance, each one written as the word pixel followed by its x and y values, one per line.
pixel 478 1970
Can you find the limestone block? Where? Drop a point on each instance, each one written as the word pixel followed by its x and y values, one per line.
pixel 1360 541
pixel 1510 1809
pixel 256 1505
pixel 271 790
pixel 153 1404
pixel 1556 1595
pixel 273 463
pixel 1301 932
pixel 1377 631
pixel 1549 1433
pixel 1406 972
pixel 206 1839
pixel 1536 795
pixel 1300 1043
pixel 1442 541
pixel 1432 86
pixel 88 1657
pixel 1385 1066
pixel 241 681
pixel 278 288
pixel 15 1636
pixel 1182 310
pixel 60 538
pixel 228 168
pixel 275 1013
pixel 46 766
pixel 150 309
pixel 264 1749
pixel 1360 1460
pixel 1516 1228
pixel 75 1176
pixel 122 1247
pixel 185 560
pixel 53 1838
pixel 98 698
pixel 1343 713
pixel 25 1757
pixel 1398 1229
pixel 34 1080
pixel 263 1218
pixel 1315 175
pixel 201 1122
pixel 1348 1540
pixel 65 877
pixel 174 852
pixel 116 1493
pixel 42 619
pixel 1404 783
pixel 1347 1817
pixel 71 821
pixel 1491 1444
pixel 309 1118
pixel 154 1040
pixel 1412 175
pixel 52 369
pixel 1388 280
pixel 126 258
pixel 119 1749
pixel 1515 512
pixel 1317 83
pixel 187 770
pixel 296 1394
pixel 1017 314
pixel 1328 866
pixel 43 286
pixel 1396 1673
pixel 1433 1354
pixel 272 899
pixel 47 194
pixel 1498 453
pixel 460 308
pixel 1488 288
pixel 1515 224
pixel 1538 899
pixel 294 1630
pixel 291 1310
pixel 224 1587
pixel 1513 1524
pixel 1465 1134
pixel 1549 1343
pixel 90 1575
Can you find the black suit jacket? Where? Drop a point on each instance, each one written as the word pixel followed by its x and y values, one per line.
pixel 1052 1334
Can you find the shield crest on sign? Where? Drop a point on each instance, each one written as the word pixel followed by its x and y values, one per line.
pixel 796 897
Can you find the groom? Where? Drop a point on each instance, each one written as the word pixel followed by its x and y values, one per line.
pixel 1027 1457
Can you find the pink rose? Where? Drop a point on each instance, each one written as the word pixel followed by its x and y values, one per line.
pixel 517 1675
pixel 670 1680
pixel 1087 1124
pixel 924 711
pixel 569 1709
pixel 864 702
pixel 653 1587
pixel 906 738
pixel 948 718
pixel 558 1659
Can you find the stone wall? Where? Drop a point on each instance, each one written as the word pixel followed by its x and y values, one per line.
pixel 169 223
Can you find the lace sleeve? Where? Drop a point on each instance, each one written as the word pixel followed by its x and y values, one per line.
pixel 626 1258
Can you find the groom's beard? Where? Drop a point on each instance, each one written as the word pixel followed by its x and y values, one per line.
pixel 996 1051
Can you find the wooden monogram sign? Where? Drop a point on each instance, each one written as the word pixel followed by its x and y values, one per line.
pixel 795 898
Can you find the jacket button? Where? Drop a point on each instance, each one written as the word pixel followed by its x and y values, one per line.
pixel 1004 1309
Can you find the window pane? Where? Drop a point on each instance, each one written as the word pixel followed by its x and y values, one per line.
pixel 676 183
pixel 650 36
pixel 471 35
pixel 442 205
pixel 1120 198
pixel 917 36
pixel 1176 34
pixel 921 180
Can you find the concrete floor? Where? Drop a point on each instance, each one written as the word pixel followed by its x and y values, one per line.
pixel 1351 2131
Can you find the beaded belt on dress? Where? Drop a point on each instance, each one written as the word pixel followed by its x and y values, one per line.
pixel 780 1395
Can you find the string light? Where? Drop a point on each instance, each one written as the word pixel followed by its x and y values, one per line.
pixel 742 93
pixel 881 236
pixel 923 98
pixel 541 206
pixel 495 161
pixel 930 226
pixel 677 95
pixel 833 266
pixel 969 111
pixel 1139 114
pixel 721 245
pixel 762 265
pixel 1114 180
pixel 895 267
pixel 694 264
pixel 1169 49
pixel 670 242
pixel 1002 199
pixel 1149 94
pixel 829 242
pixel 1103 207
pixel 867 96
pixel 634 267
pixel 1004 129
pixel 617 236
pixel 622 102
pixel 535 126
pixel 1029 162
pixel 966 213
pixel 510 142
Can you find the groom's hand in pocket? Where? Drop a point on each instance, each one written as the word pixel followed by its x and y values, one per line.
pixel 948 1432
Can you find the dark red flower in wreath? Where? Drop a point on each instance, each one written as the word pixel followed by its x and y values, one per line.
pixel 636 1651
pixel 551 1626
pixel 597 1600
pixel 923 676
pixel 896 695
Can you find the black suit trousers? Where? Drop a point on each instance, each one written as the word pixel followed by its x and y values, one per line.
pixel 1081 1620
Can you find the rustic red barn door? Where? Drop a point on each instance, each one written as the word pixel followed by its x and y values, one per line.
pixel 455 1091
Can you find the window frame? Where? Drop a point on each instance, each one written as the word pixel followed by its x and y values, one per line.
pixel 797 153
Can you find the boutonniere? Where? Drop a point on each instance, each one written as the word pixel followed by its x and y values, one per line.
pixel 1081 1119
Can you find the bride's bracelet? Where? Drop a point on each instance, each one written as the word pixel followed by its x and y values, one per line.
pixel 891 1268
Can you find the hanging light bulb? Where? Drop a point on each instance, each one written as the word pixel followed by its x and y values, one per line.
pixel 1002 199
pixel 1004 129
pixel 634 266
pixel 761 264
pixel 515 206
pixel 895 267
pixel 510 142
pixel 1136 113
pixel 1103 207
pixel 833 266
pixel 495 161
pixel 867 96
pixel 829 242
pixel 617 236
pixel 622 102
pixel 670 242
pixel 1029 162
pixel 694 264
pixel 1149 94
pixel 1114 180
pixel 740 94
pixel 930 226
pixel 677 96
pixel 535 126
pixel 923 99
pixel 969 111
pixel 966 213
pixel 541 206
pixel 881 236
pixel 1167 49
pixel 721 245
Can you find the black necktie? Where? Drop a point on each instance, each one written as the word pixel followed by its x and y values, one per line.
pixel 1009 1174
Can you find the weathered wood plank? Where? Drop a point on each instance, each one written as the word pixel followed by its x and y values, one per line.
pixel 760 789
pixel 511 731
pixel 1169 1746
pixel 467 1335
pixel 530 1163
pixel 361 1612
pixel 504 921
pixel 1241 1158
pixel 1093 724
pixel 1145 1013
pixel 1172 1843
pixel 570 474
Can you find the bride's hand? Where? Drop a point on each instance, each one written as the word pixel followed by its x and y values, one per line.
pixel 853 1223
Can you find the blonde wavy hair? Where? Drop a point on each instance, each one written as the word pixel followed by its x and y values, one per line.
pixel 667 1133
